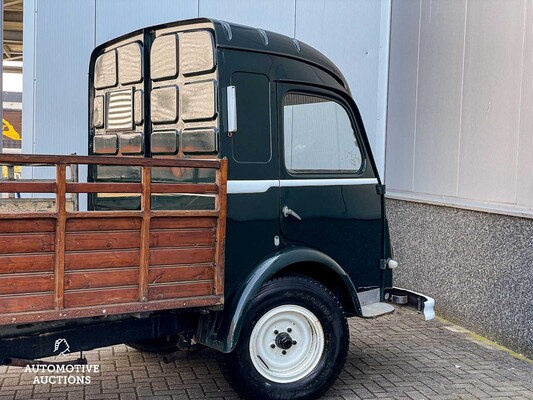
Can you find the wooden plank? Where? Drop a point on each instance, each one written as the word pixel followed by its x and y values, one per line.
pixel 101 278
pixel 104 214
pixel 184 213
pixel 95 297
pixel 59 256
pixel 40 159
pixel 42 262
pixel 169 256
pixel 144 251
pixel 201 188
pixel 179 290
pixel 101 259
pixel 27 243
pixel 103 187
pixel 11 317
pixel 27 187
pixel 27 215
pixel 180 273
pixel 222 178
pixel 180 238
pixel 102 240
pixel 29 226
pixel 100 224
pixel 179 223
pixel 26 303
pixel 17 284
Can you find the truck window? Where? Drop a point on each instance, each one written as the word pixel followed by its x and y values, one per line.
pixel 318 135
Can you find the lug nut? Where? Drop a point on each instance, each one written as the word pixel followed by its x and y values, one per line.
pixel 289 330
pixel 294 342
pixel 276 332
pixel 283 352
pixel 273 346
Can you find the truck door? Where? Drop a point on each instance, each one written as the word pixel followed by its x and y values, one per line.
pixel 328 197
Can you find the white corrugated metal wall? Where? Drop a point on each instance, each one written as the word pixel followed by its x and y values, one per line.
pixel 460 121
pixel 60 34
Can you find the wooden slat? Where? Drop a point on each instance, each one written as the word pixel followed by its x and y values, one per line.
pixel 179 238
pixel 101 278
pixel 101 259
pixel 103 187
pixel 59 257
pixel 178 223
pixel 102 241
pixel 18 226
pixel 95 297
pixel 184 213
pixel 201 188
pixel 144 251
pixel 16 284
pixel 222 178
pixel 27 215
pixel 25 303
pixel 110 309
pixel 42 262
pixel 104 214
pixel 174 291
pixel 27 243
pixel 100 224
pixel 180 273
pixel 38 159
pixel 27 187
pixel 166 256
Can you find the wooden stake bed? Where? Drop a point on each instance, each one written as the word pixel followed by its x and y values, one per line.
pixel 65 265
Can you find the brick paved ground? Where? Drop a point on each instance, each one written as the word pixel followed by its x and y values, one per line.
pixel 395 357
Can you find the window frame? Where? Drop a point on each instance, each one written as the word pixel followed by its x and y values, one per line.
pixel 356 132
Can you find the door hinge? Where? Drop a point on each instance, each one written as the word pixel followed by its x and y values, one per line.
pixel 381 189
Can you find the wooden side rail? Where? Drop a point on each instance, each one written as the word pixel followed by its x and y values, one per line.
pixel 70 264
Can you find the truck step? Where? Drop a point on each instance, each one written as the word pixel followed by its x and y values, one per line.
pixel 375 310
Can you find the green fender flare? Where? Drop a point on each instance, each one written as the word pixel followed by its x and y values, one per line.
pixel 221 330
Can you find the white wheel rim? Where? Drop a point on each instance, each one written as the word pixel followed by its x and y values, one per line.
pixel 301 358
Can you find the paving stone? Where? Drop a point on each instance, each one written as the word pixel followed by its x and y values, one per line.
pixel 394 357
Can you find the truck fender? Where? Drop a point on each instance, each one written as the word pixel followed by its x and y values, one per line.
pixel 221 332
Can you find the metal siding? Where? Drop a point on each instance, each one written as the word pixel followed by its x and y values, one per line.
pixel 115 18
pixel 465 117
pixel 348 32
pixel 438 118
pixel 524 190
pixel 27 76
pixel 274 15
pixel 403 75
pixel 64 34
pixel 491 100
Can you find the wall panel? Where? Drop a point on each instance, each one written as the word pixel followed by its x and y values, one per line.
pixel 491 100
pixel 439 117
pixel 403 76
pixel 117 17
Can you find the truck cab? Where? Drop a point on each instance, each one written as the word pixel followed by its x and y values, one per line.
pixel 305 240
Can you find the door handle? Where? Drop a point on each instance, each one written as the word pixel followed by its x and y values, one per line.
pixel 288 212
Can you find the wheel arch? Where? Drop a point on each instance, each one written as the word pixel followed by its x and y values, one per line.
pixel 222 331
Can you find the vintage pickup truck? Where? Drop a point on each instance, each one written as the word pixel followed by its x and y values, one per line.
pixel 233 202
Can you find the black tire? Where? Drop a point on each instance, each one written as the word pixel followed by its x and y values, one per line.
pixel 282 294
pixel 162 345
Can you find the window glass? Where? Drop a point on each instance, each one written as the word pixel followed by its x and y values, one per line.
pixel 318 135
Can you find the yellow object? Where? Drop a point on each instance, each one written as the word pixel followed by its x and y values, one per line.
pixel 9 131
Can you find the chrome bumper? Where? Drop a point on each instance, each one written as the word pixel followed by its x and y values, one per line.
pixel 422 302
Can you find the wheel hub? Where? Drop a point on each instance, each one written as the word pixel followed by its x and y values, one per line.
pixel 284 341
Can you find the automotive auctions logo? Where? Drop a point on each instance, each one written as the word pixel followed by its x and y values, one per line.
pixel 62 373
